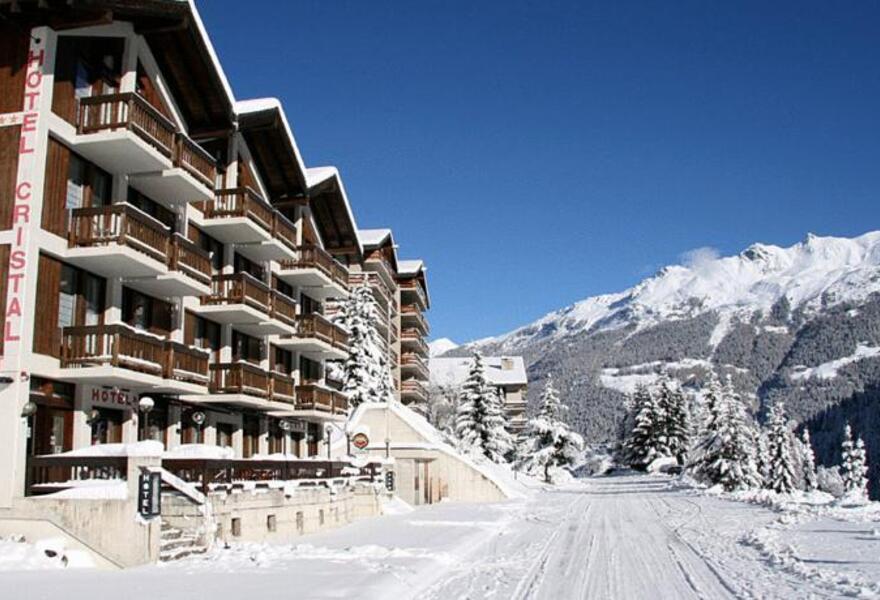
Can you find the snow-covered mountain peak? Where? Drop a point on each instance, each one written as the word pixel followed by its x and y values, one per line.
pixel 438 347
pixel 810 274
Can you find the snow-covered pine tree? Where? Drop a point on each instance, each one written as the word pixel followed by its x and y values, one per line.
pixel 854 468
pixel 548 441
pixel 728 454
pixel 366 373
pixel 808 463
pixel 762 454
pixel 479 420
pixel 676 421
pixel 646 441
pixel 780 464
pixel 712 406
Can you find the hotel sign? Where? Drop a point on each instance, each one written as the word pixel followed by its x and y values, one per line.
pixel 28 119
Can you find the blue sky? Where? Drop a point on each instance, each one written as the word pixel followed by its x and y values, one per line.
pixel 536 153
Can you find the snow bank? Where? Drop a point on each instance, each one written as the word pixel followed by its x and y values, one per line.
pixel 89 489
pixel 17 554
pixel 147 448
pixel 200 451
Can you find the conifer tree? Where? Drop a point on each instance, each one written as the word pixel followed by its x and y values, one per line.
pixel 727 453
pixel 855 466
pixel 780 470
pixel 676 421
pixel 479 421
pixel 548 441
pixel 647 440
pixel 366 374
pixel 808 463
pixel 713 406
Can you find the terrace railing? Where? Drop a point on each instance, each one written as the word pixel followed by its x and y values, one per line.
pixel 129 111
pixel 120 224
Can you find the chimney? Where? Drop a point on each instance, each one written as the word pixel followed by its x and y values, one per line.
pixel 506 364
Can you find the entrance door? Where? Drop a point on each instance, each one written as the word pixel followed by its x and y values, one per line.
pixel 53 430
pixel 107 426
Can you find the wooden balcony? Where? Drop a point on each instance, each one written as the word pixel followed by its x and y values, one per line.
pixel 319 274
pixel 240 378
pixel 414 365
pixel 413 390
pixel 316 337
pixel 119 354
pixel 249 304
pixel 384 295
pixel 240 216
pixel 314 397
pixel 47 474
pixel 378 263
pixel 122 241
pixel 283 388
pixel 196 161
pixel 412 292
pixel 413 340
pixel 189 259
pixel 127 112
pixel 411 316
pixel 124 133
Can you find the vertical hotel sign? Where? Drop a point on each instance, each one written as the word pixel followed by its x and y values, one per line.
pixel 22 198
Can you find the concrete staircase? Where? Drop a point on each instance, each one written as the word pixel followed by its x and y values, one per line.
pixel 185 529
pixel 175 544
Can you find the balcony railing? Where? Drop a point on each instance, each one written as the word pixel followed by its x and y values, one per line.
pixel 378 258
pixel 47 474
pixel 384 295
pixel 120 224
pixel 245 202
pixel 210 474
pixel 127 111
pixel 283 308
pixel 413 387
pixel 315 257
pixel 119 345
pixel 185 363
pixel 318 327
pixel 115 345
pixel 413 287
pixel 240 378
pixel 283 388
pixel 240 288
pixel 188 258
pixel 193 159
pixel 412 314
pixel 50 473
pixel 414 361
pixel 310 396
pixel 414 338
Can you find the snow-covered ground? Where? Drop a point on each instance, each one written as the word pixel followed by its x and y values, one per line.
pixel 630 536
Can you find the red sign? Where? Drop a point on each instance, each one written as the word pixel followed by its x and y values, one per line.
pixel 360 441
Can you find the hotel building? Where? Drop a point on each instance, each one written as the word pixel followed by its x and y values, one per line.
pixel 166 254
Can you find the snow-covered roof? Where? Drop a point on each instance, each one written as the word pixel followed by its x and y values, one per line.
pixel 373 238
pixel 200 26
pixel 500 370
pixel 410 268
pixel 313 176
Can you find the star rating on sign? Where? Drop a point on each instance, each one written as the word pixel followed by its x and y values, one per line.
pixel 9 119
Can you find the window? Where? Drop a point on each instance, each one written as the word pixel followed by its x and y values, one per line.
pixel 80 298
pixel 247 348
pixel 87 184
pixel 208 244
pixel 151 207
pixel 244 265
pixel 145 312
pixel 309 305
pixel 282 361
pixel 309 370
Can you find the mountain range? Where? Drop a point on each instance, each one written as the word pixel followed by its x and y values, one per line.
pixel 799 324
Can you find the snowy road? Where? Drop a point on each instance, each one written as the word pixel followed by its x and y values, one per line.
pixel 619 537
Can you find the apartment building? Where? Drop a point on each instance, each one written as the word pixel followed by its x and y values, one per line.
pixel 506 373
